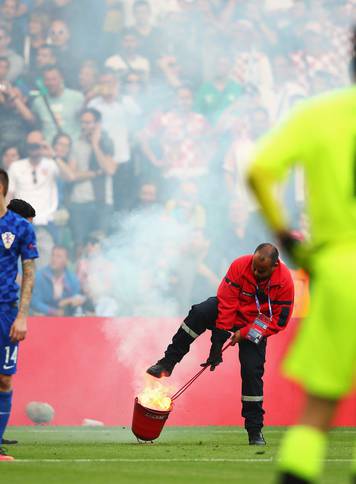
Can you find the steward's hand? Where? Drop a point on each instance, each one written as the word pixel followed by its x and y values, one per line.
pixel 236 338
pixel 218 338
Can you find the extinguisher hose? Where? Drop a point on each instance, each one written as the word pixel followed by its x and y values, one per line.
pixel 192 380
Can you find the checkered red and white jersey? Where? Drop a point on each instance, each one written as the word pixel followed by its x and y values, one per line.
pixel 182 139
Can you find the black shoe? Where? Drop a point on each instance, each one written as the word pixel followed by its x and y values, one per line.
pixel 158 370
pixel 291 479
pixel 9 442
pixel 256 438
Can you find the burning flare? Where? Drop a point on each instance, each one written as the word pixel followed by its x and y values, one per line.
pixel 155 395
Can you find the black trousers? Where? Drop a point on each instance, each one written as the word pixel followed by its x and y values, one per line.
pixel 252 358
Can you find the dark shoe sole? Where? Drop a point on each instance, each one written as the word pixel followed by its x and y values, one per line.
pixel 9 442
pixel 156 374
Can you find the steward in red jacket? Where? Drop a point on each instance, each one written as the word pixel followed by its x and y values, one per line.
pixel 242 296
pixel 255 300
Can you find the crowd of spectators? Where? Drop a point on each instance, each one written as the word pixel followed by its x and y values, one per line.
pixel 112 107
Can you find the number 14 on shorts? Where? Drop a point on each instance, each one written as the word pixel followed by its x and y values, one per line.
pixel 10 357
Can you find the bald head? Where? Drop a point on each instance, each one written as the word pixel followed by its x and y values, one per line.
pixel 264 261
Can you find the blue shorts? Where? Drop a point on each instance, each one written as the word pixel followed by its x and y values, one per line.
pixel 8 349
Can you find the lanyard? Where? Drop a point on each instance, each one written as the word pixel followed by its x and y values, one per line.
pixel 258 304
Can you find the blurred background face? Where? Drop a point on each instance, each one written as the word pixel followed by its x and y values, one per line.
pixel 93 248
pixel 34 27
pixel 9 9
pixel 129 43
pixel 10 155
pixel 133 84
pixel 109 86
pixel 59 33
pixel 148 193
pixel 38 25
pixel 62 146
pixel 87 76
pixel 59 259
pixel 45 57
pixel 35 145
pixel 223 67
pixel 87 124
pixel 53 81
pixel 142 15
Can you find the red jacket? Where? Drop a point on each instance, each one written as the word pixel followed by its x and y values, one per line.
pixel 237 302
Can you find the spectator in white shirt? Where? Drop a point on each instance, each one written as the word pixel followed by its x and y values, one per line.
pixel 34 179
pixel 118 117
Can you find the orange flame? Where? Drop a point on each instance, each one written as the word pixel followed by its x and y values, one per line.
pixel 155 395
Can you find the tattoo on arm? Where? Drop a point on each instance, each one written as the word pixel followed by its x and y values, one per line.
pixel 28 279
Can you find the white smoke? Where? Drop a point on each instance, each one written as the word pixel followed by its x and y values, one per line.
pixel 139 267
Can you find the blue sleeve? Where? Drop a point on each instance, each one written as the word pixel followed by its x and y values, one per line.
pixel 28 245
pixel 37 304
pixel 74 284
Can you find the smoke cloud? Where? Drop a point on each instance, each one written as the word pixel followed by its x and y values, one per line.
pixel 143 258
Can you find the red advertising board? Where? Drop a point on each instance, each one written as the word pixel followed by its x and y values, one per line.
pixel 80 368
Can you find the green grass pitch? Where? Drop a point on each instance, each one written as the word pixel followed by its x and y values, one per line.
pixel 72 455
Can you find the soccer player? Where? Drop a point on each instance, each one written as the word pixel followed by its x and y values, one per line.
pixel 321 136
pixel 26 210
pixel 17 240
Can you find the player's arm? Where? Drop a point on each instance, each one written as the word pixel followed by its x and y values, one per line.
pixel 19 328
pixel 284 147
pixel 262 184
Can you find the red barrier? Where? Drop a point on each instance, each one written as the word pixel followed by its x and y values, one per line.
pixel 71 364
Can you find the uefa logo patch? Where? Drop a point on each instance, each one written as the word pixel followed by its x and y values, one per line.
pixel 8 239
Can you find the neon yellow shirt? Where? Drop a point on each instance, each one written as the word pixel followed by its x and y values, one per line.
pixel 320 135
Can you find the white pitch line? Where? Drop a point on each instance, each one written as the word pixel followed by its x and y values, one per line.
pixel 270 459
pixel 142 460
pixel 276 431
